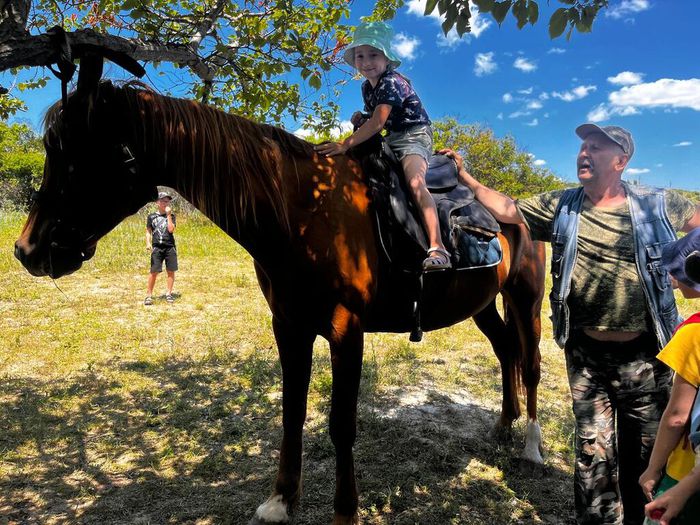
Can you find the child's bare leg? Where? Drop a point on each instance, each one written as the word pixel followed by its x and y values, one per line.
pixel 171 281
pixel 415 168
pixel 151 283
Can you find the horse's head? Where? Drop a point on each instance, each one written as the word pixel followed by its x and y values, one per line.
pixel 92 180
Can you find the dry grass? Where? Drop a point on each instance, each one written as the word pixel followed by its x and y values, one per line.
pixel 113 413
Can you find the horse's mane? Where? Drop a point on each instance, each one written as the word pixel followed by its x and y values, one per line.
pixel 218 158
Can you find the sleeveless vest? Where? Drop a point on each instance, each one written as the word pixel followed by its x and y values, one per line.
pixel 651 230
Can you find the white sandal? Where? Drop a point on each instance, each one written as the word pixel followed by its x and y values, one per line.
pixel 441 262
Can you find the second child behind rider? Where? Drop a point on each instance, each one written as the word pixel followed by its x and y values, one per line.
pixel 392 104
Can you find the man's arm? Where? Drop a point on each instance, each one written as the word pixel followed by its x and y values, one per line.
pixel 501 206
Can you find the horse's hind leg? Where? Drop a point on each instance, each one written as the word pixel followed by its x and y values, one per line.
pixel 524 301
pixel 295 350
pixel 504 340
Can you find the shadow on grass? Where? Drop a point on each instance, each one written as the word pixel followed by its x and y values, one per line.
pixel 196 442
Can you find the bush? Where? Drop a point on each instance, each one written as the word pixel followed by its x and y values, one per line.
pixel 21 164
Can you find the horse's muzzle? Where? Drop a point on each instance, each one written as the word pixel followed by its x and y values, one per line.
pixel 54 262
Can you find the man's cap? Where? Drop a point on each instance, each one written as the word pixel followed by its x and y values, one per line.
pixel 375 34
pixel 618 135
pixel 682 259
pixel 164 195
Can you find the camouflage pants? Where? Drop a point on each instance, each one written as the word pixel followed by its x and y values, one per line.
pixel 619 392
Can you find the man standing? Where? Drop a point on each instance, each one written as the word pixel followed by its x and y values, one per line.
pixel 612 309
pixel 160 242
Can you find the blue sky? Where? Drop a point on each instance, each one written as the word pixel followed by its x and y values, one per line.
pixel 639 68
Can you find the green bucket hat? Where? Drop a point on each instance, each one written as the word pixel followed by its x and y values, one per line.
pixel 375 34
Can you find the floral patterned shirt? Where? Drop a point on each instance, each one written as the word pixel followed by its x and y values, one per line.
pixel 395 90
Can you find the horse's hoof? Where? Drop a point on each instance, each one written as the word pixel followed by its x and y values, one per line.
pixel 346 520
pixel 272 512
pixel 531 469
pixel 501 433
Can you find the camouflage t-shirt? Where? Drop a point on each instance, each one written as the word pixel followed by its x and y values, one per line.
pixel 606 293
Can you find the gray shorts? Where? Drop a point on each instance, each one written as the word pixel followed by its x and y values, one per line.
pixel 416 140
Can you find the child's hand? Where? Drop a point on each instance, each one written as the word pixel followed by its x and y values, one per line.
pixel 149 248
pixel 648 481
pixel 168 210
pixel 331 148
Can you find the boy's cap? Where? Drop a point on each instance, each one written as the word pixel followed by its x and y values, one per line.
pixel 682 259
pixel 618 135
pixel 375 34
pixel 164 195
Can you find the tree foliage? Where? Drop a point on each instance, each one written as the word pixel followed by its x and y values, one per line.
pixel 578 14
pixel 264 59
pixel 497 163
pixel 21 164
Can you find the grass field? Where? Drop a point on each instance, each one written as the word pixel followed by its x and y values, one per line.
pixel 116 413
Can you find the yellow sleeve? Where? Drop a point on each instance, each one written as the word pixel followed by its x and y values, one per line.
pixel 682 353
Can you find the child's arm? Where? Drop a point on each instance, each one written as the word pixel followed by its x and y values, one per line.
pixel 674 499
pixel 371 127
pixel 171 222
pixel 149 239
pixel 671 429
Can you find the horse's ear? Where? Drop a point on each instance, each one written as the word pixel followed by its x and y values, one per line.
pixel 90 74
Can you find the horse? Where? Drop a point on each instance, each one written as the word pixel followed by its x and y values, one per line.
pixel 306 220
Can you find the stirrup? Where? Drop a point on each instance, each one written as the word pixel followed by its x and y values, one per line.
pixel 431 264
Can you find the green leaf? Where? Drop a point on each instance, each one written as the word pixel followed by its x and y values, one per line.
pixel 557 23
pixel 500 10
pixel 463 23
pixel 533 12
pixel 315 81
pixel 442 6
pixel 450 19
pixel 520 12
pixel 484 6
pixel 430 6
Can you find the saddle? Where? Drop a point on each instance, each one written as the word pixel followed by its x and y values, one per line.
pixel 469 231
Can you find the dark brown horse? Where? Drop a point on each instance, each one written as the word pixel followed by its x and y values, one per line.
pixel 306 221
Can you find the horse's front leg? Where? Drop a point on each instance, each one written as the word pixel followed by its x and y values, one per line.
pixel 295 348
pixel 346 344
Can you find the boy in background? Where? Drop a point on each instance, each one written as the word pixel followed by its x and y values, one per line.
pixel 160 242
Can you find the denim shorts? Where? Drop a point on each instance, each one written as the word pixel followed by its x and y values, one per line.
pixel 416 140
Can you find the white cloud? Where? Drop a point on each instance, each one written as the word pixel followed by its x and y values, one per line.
pixel 524 65
pixel 484 64
pixel 478 23
pixel 405 46
pixel 520 113
pixel 539 162
pixel 534 104
pixel 507 98
pixel 665 92
pixel 343 127
pixel 682 144
pixel 527 91
pixel 626 78
pixel 626 8
pixel 532 123
pixel 556 51
pixel 544 96
pixel 499 116
pixel 577 93
pixel 604 111
pixel 637 171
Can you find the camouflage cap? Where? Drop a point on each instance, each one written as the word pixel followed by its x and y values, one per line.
pixel 618 135
pixel 164 195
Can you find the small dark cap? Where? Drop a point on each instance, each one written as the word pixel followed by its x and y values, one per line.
pixel 618 135
pixel 682 259
pixel 164 195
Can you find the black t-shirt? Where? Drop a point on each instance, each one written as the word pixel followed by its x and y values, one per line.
pixel 158 224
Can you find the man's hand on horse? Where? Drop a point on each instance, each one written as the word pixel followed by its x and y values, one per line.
pixel 454 156
pixel 330 149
